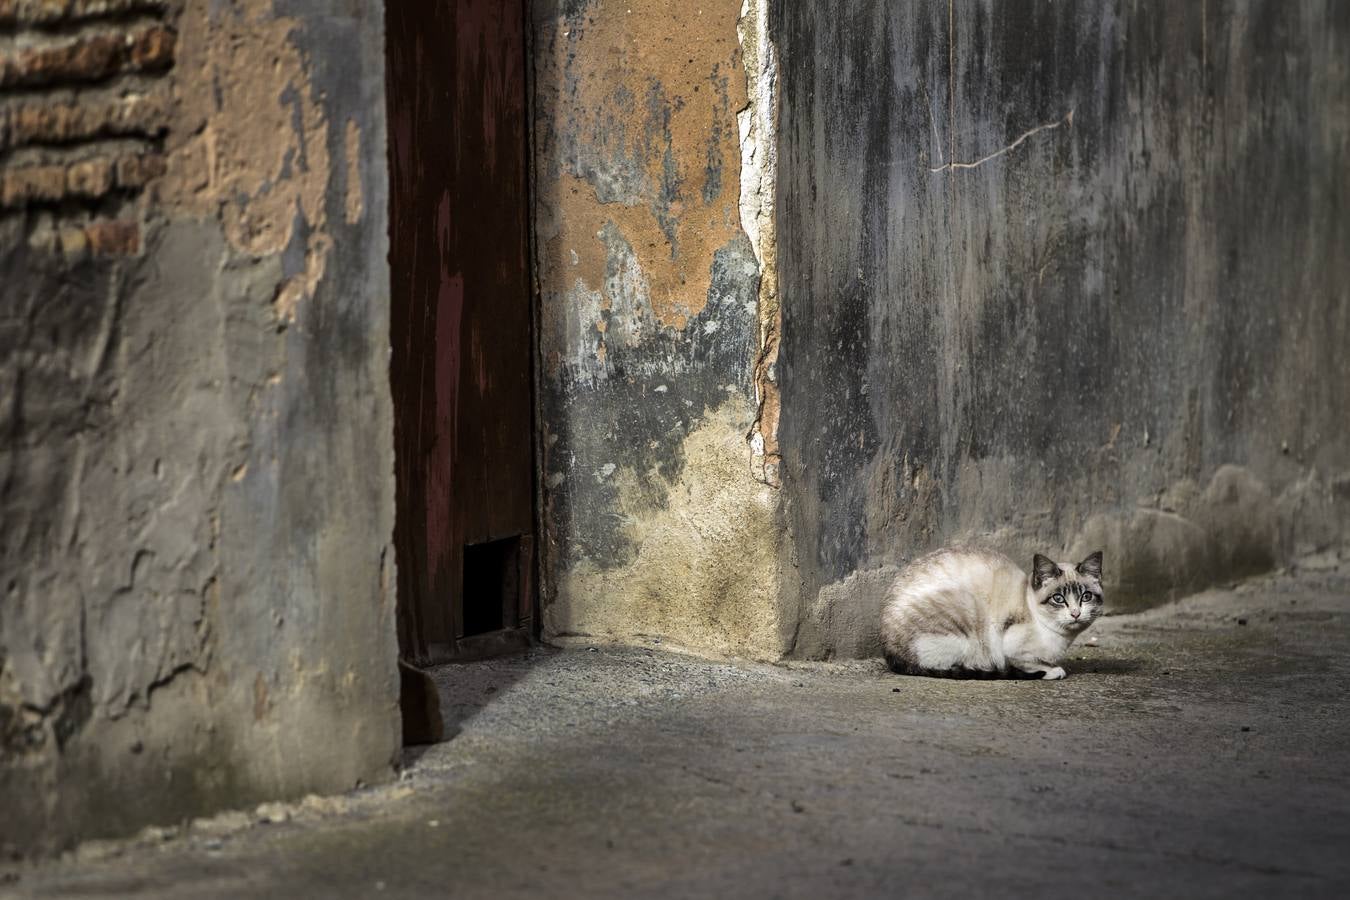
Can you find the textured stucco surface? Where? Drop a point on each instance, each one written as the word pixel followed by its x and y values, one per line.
pixel 1061 274
pixel 656 520
pixel 196 460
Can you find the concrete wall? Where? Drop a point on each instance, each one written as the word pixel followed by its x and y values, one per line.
pixel 656 394
pixel 196 454
pixel 1061 276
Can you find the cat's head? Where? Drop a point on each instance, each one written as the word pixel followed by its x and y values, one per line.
pixel 1067 596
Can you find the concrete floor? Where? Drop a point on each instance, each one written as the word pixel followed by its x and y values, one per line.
pixel 1199 750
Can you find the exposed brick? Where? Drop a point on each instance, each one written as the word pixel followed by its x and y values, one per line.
pixel 45 12
pixel 32 183
pixel 88 57
pixel 80 117
pixel 90 178
pixel 87 178
pixel 114 238
pixel 152 49
pixel 135 171
pixel 73 242
pixel 107 237
pixel 44 240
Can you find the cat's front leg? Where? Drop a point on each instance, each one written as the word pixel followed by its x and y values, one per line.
pixel 1036 668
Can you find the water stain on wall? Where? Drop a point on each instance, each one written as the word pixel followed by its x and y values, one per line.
pixel 704 574
pixel 649 329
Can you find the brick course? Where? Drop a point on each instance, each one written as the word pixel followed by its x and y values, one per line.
pixel 19 187
pixel 114 238
pixel 47 12
pixel 88 57
pixel 36 120
pixel 89 178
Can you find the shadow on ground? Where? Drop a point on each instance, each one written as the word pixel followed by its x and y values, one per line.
pixel 1199 750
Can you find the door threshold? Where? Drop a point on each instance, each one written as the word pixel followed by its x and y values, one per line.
pixel 504 642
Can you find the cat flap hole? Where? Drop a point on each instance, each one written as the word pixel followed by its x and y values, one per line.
pixel 491 585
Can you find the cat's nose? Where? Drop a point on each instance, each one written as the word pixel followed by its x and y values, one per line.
pixel 1075 612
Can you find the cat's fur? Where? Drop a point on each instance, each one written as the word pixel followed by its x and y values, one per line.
pixel 976 614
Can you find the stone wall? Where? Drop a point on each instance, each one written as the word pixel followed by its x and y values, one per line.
pixel 1061 276
pixel 196 494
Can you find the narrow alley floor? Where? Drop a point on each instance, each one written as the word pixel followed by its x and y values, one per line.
pixel 1199 750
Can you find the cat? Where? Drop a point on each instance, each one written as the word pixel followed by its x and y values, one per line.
pixel 976 614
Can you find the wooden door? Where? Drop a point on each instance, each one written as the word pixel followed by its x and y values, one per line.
pixel 461 324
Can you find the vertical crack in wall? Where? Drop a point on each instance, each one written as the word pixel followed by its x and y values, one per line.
pixel 758 124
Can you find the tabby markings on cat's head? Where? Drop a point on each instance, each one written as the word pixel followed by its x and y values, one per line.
pixel 1068 595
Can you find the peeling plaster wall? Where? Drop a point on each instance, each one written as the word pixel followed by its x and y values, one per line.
pixel 196 475
pixel 1059 276
pixel 657 517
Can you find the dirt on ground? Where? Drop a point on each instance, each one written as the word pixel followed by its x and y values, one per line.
pixel 1195 750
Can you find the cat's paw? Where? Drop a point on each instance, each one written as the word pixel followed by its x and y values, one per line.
pixel 1056 674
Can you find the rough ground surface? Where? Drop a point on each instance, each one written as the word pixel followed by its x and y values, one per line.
pixel 1197 750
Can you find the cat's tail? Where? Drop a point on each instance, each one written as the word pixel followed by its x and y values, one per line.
pixel 903 666
pixel 900 665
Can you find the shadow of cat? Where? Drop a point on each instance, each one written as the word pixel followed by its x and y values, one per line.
pixel 1102 666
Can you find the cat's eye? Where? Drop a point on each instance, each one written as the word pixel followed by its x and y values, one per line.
pixel 1057 599
pixel 1089 597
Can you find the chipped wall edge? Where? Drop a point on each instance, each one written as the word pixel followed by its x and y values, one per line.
pixel 758 127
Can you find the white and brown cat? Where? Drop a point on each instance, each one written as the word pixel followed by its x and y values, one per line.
pixel 976 614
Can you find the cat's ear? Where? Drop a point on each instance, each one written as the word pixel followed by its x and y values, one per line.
pixel 1042 570
pixel 1092 566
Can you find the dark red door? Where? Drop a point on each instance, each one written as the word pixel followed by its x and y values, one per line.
pixel 461 323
